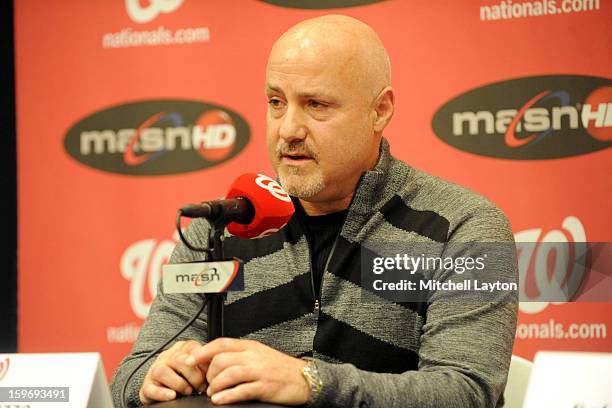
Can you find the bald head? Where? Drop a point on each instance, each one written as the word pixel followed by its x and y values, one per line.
pixel 329 100
pixel 342 43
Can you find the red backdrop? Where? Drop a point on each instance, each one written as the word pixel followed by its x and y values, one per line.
pixel 94 227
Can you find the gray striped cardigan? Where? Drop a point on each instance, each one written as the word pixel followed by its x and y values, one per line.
pixel 379 354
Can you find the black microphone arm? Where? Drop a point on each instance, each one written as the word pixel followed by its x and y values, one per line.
pixel 239 210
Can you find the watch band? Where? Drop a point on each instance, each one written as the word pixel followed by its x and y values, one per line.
pixel 311 374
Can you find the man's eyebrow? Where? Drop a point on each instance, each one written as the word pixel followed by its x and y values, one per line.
pixel 273 88
pixel 314 94
pixel 303 95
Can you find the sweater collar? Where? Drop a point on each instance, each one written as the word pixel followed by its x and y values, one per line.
pixel 371 186
pixel 375 187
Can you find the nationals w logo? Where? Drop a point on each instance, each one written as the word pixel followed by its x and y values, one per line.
pixel 4 366
pixel 273 187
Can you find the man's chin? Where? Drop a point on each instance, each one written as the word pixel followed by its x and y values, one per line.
pixel 301 186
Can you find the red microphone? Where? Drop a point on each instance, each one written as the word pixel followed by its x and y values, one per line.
pixel 256 204
pixel 273 206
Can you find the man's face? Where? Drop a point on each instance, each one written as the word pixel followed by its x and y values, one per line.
pixel 319 125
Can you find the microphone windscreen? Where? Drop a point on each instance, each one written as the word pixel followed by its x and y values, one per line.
pixel 273 206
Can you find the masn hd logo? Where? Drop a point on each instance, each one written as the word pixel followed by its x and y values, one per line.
pixel 531 118
pixel 157 137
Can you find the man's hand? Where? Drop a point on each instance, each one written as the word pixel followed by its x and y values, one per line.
pixel 174 371
pixel 243 370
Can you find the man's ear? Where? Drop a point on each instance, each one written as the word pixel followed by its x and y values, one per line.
pixel 384 105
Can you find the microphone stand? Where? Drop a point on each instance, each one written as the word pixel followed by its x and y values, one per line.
pixel 219 214
pixel 216 301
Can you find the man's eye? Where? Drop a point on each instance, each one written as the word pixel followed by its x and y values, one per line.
pixel 275 103
pixel 317 104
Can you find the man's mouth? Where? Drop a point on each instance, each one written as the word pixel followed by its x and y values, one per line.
pixel 295 158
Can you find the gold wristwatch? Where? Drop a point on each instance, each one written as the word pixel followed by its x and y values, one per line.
pixel 311 374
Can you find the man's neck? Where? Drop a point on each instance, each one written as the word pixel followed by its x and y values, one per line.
pixel 326 207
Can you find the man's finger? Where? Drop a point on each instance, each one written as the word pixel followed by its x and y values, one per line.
pixel 220 345
pixel 167 377
pixel 185 365
pixel 152 392
pixel 242 392
pixel 189 345
pixel 230 377
pixel 222 361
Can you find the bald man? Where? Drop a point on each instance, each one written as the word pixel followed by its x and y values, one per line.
pixel 300 333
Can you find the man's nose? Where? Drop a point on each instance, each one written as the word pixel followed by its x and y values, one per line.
pixel 293 126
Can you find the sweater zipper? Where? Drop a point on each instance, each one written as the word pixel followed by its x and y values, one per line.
pixel 317 301
pixel 317 306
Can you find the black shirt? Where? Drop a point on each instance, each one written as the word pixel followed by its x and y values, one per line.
pixel 321 232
